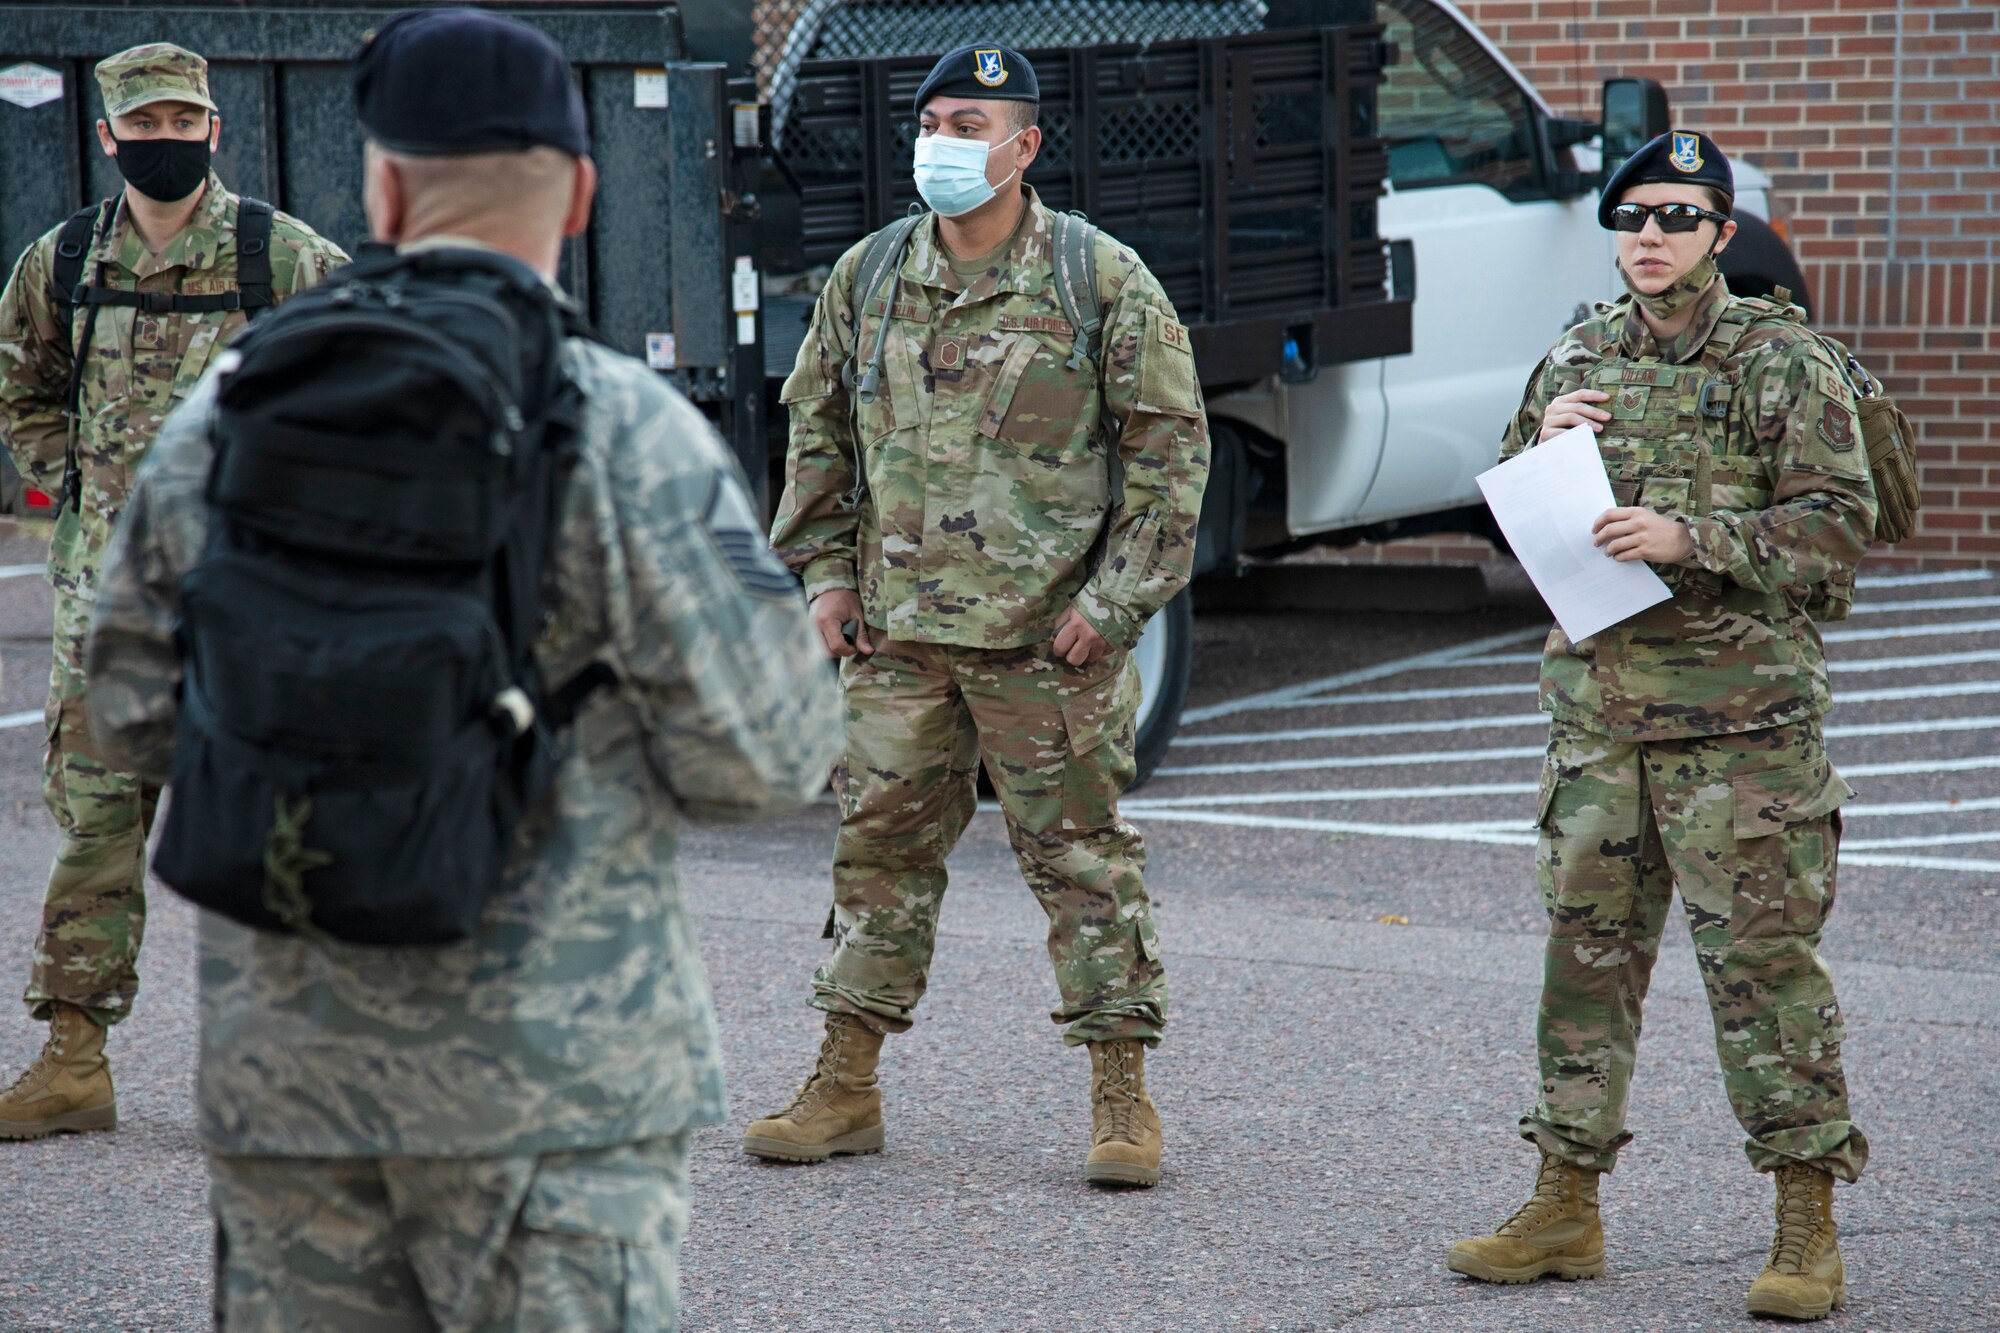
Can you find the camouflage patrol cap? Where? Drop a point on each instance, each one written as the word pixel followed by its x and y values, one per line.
pixel 1678 157
pixel 155 72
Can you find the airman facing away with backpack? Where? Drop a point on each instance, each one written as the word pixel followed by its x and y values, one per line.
pixel 991 495
pixel 1685 749
pixel 174 266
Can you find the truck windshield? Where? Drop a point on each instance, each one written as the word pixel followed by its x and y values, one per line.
pixel 1449 111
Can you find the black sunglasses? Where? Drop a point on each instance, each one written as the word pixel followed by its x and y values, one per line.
pixel 1673 217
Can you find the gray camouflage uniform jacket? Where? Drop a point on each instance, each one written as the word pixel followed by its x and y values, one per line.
pixel 579 1016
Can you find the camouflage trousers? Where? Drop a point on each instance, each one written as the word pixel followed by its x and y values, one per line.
pixel 1057 742
pixel 1747 826
pixel 587 1241
pixel 94 914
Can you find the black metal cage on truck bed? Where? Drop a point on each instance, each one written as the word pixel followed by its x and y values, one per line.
pixel 1243 168
pixel 654 269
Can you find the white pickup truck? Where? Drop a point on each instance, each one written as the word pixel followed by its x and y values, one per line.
pixel 1496 196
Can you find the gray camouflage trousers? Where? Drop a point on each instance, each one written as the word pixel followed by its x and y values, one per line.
pixel 1747 826
pixel 1057 742
pixel 565 1242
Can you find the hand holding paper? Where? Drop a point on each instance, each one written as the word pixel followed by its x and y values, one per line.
pixel 1546 500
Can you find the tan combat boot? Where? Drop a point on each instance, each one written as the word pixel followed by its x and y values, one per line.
pixel 67 1089
pixel 1804 1278
pixel 1124 1125
pixel 839 1110
pixel 1555 1232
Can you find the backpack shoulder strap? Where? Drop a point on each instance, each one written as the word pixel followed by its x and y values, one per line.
pixel 1076 284
pixel 253 255
pixel 73 244
pixel 881 256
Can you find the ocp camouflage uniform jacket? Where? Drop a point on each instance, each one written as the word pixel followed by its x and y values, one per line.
pixel 1773 486
pixel 139 365
pixel 578 1016
pixel 988 505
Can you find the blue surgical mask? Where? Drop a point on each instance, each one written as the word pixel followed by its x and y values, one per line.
pixel 951 173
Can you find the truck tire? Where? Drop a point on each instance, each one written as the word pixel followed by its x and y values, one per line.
pixel 1165 656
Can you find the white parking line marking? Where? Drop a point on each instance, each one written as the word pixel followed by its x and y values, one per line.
pixel 1360 761
pixel 1912 580
pixel 1919 840
pixel 1941 628
pixel 1530 687
pixel 1491 835
pixel 20 571
pixel 1146 804
pixel 21 719
pixel 1911 726
pixel 1892 768
pixel 1291 694
pixel 1922 604
pixel 1366 729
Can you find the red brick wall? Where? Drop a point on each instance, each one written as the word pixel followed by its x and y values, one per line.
pixel 1877 123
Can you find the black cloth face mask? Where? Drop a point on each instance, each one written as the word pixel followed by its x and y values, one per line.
pixel 163 169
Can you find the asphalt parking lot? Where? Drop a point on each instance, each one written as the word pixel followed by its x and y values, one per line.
pixel 1341 857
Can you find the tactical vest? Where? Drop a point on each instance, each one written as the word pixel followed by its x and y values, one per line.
pixel 1666 446
pixel 77 302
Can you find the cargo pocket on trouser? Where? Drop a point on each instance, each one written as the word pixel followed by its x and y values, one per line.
pixel 598 1245
pixel 1097 723
pixel 1787 827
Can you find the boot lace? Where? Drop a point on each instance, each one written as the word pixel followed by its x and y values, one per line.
pixel 812 1094
pixel 40 1064
pixel 1799 1220
pixel 1116 1094
pixel 1550 1196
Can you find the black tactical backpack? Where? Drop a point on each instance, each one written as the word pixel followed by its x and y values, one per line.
pixel 362 726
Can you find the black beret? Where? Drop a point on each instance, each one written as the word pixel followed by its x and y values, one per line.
pixel 1678 157
pixel 991 73
pixel 458 81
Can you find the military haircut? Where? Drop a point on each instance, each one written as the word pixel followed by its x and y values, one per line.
pixel 1022 115
pixel 472 185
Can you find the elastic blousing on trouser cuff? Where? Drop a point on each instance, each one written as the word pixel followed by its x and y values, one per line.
pixel 1115 1091
pixel 1798 1220
pixel 1548 1195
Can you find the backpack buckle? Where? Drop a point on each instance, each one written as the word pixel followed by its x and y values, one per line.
pixel 1715 399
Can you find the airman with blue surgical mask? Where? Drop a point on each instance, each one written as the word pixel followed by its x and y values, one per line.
pixel 998 450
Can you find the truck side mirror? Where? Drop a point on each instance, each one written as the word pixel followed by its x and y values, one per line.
pixel 1635 113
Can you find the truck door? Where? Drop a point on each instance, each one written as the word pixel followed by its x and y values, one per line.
pixel 1502 263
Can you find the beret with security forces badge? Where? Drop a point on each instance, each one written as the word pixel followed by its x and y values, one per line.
pixel 1678 157
pixel 990 73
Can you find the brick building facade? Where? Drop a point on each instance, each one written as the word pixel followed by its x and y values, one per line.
pixel 1879 124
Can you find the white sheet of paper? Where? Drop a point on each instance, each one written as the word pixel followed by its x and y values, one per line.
pixel 1545 500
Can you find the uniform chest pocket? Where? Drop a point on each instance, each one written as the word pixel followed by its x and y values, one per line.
pixel 1037 406
pixel 895 406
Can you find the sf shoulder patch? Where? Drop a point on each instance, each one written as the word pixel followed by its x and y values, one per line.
pixel 735 534
pixel 1172 334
